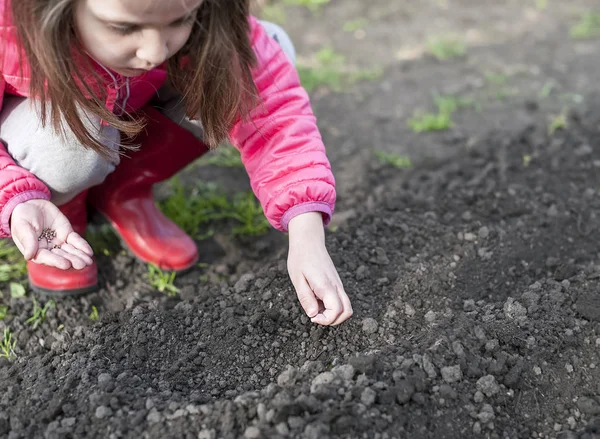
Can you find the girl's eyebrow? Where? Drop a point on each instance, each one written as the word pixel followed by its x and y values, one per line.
pixel 137 23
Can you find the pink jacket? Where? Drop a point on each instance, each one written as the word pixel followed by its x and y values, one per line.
pixel 285 159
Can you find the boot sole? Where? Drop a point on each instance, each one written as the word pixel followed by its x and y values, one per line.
pixel 63 293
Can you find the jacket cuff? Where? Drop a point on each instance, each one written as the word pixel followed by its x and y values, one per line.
pixel 313 206
pixel 10 205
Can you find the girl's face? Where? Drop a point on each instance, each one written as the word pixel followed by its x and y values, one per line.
pixel 134 36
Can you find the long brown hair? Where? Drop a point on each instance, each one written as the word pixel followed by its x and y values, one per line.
pixel 216 83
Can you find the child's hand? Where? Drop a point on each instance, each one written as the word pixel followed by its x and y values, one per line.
pixel 63 249
pixel 313 274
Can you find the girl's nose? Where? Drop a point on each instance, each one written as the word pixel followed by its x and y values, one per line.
pixel 153 49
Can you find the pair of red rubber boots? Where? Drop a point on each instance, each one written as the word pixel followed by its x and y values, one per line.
pixel 125 198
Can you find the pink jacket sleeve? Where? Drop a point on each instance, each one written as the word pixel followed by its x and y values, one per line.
pixel 16 184
pixel 281 147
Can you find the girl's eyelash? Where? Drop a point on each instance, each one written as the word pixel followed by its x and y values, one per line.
pixel 126 30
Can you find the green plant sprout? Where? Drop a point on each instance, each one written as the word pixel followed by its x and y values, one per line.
pixel 7 347
pixel 94 317
pixel 445 48
pixel 397 161
pixel 328 70
pixel 354 25
pixel 527 160
pixel 199 210
pixel 587 27
pixel 12 264
pixel 558 122
pixel 39 313
pixel 274 13
pixel 442 120
pixel 162 280
pixel 313 5
pixel 3 311
pixel 17 290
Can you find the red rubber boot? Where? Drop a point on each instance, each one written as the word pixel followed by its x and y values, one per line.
pixel 125 198
pixel 55 282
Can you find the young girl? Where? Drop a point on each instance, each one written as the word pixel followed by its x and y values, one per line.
pixel 104 98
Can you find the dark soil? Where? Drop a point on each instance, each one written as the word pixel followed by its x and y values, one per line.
pixel 474 277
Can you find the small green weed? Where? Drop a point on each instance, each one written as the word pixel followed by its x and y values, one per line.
pixel 442 120
pixel 249 214
pixel 3 311
pixel 587 27
pixel 444 48
pixel 328 70
pixel 397 161
pixel 199 210
pixel 541 5
pixel 12 264
pixel 547 89
pixel 39 313
pixel 162 280
pixel 225 156
pixel 313 5
pixel 558 122
pixel 7 346
pixel 274 13
pixel 354 25
pixel 496 78
pixel 17 290
pixel 527 160
pixel 103 240
pixel 94 317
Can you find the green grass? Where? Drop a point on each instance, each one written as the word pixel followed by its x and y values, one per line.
pixel 94 317
pixel 3 311
pixel 103 239
pixel 313 5
pixel 17 290
pixel 225 156
pixel 162 280
pixel 445 48
pixel 395 160
pixel 7 346
pixel 354 25
pixel 201 209
pixel 13 266
pixel 39 313
pixel 328 69
pixel 494 78
pixel 274 13
pixel 558 122
pixel 441 120
pixel 587 27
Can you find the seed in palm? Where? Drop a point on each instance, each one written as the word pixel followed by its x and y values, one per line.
pixel 48 235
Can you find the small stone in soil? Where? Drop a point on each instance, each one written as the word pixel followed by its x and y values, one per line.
pixel 488 385
pixel 451 374
pixel 370 325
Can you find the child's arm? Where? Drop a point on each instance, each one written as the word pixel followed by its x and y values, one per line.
pixel 25 210
pixel 281 146
pixel 290 174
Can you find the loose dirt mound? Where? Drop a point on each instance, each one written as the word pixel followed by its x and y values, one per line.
pixel 475 289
